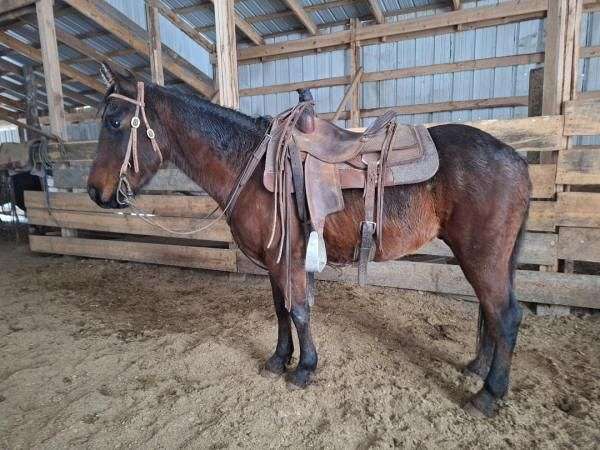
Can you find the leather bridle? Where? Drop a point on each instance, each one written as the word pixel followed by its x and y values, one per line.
pixel 131 154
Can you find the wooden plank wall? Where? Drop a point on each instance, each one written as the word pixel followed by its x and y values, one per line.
pixel 561 226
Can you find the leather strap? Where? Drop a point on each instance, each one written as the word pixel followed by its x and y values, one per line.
pixel 368 226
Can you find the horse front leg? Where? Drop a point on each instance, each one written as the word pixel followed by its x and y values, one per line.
pixel 277 363
pixel 302 375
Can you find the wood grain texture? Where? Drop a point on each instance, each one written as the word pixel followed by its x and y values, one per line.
pixel 227 72
pixel 579 165
pixel 170 255
pixel 581 117
pixel 578 209
pixel 129 224
pixel 160 205
pixel 579 244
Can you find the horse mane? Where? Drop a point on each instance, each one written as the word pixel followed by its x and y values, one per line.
pixel 233 134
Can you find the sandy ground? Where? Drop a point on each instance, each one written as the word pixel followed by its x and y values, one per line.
pixel 100 354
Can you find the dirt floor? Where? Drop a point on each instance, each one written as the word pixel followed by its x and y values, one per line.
pixel 101 354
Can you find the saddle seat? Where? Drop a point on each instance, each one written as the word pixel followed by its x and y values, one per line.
pixel 328 159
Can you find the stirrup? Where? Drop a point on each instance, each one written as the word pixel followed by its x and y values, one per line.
pixel 316 255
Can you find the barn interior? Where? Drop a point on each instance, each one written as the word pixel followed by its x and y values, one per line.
pixel 119 333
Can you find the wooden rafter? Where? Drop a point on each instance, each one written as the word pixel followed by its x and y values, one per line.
pixel 170 14
pixel 226 54
pixel 52 70
pixel 332 4
pixel 36 55
pixel 246 28
pixel 376 10
pixel 431 24
pixel 108 18
pixel 302 15
pixel 155 46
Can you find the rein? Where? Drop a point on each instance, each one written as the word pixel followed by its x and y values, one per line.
pixel 125 194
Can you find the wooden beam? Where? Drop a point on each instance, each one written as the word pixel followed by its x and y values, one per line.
pixel 49 47
pixel 477 64
pixel 504 11
pixel 591 5
pixel 154 47
pixel 9 5
pixel 14 104
pixel 355 64
pixel 555 29
pixel 194 35
pixel 36 55
pixel 440 107
pixel 226 54
pixel 15 121
pixel 301 15
pixel 248 30
pixel 376 10
pixel 31 99
pixel 455 4
pixel 108 18
pixel 349 92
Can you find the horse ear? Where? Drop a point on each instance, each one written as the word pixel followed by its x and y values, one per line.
pixel 108 76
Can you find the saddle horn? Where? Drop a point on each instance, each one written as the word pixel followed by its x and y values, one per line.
pixel 306 122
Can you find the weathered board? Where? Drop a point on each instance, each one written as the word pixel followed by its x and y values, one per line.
pixel 580 165
pixel 581 117
pixel 541 216
pixel 578 209
pixel 531 286
pixel 171 255
pixel 129 224
pixel 579 244
pixel 538 248
pixel 194 206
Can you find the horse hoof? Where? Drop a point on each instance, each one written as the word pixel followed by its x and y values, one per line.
pixel 482 405
pixel 299 379
pixel 474 369
pixel 274 367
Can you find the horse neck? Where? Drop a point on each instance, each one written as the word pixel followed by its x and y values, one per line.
pixel 197 130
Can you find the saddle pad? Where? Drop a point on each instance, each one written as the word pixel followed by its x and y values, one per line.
pixel 415 161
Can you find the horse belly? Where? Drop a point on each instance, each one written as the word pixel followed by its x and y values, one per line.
pixel 410 222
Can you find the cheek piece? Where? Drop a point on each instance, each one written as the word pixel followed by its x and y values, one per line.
pixel 124 191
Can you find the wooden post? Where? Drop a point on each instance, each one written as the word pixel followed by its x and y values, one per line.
pixel 155 48
pixel 349 92
pixel 226 54
pixel 31 112
pixel 354 67
pixel 49 47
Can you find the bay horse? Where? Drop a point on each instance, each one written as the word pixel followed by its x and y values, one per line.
pixel 477 203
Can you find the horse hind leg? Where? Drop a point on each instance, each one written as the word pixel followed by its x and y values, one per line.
pixel 480 365
pixel 503 315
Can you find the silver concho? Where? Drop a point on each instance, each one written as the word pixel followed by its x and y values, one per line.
pixel 135 122
pixel 150 133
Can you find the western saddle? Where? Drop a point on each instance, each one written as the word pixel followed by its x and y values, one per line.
pixel 317 160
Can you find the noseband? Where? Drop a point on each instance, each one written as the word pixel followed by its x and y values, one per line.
pixel 124 187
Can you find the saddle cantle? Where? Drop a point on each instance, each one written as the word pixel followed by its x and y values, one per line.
pixel 330 159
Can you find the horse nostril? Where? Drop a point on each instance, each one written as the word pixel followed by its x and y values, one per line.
pixel 93 193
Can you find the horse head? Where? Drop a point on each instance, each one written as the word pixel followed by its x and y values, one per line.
pixel 128 153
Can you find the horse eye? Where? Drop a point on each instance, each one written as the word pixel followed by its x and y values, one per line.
pixel 116 124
